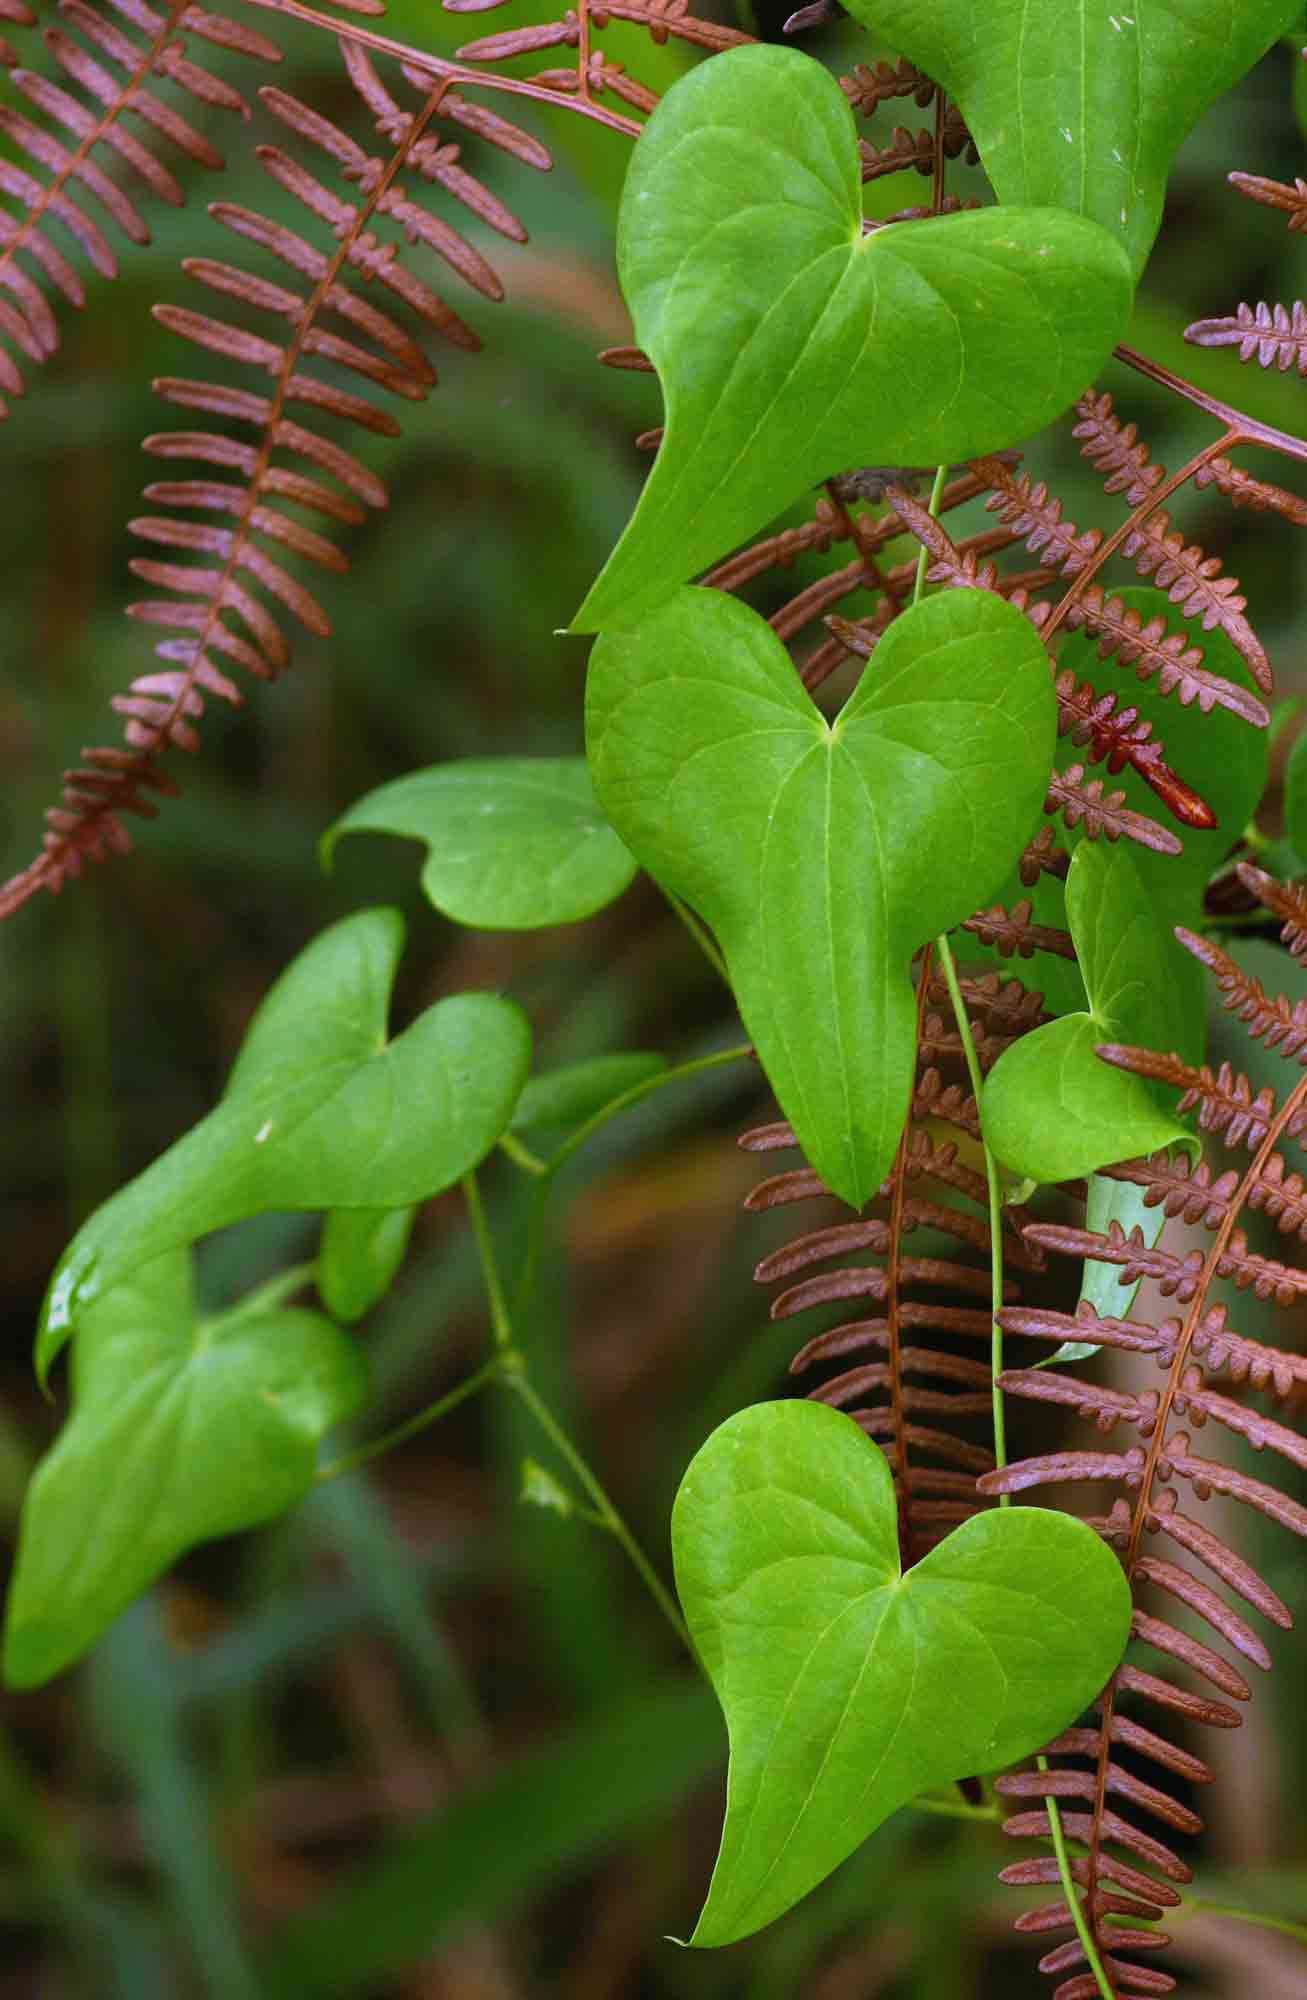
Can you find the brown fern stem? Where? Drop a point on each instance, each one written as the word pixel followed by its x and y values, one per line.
pixel 1293 1105
pixel 1244 429
pixel 1156 498
pixel 418 60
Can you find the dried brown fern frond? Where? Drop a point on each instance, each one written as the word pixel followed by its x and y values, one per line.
pixel 1084 801
pixel 109 73
pixel 869 85
pixel 226 610
pixel 917 152
pixel 905 1374
pixel 1275 194
pixel 1128 1873
pixel 592 74
pixel 1272 336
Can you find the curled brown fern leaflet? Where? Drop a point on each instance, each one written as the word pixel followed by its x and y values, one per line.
pixel 1129 1874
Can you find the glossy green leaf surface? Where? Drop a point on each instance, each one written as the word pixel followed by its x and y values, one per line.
pixel 180 1430
pixel 936 340
pixel 822 855
pixel 359 1255
pixel 320 1112
pixel 513 843
pixel 1082 104
pixel 1051 1110
pixel 847 1686
pixel 558 1099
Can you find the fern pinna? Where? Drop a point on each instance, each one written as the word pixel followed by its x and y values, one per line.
pixel 1130 1874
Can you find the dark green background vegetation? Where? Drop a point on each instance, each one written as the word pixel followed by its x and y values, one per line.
pixel 421 1739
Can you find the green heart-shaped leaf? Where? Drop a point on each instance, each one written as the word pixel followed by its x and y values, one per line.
pixel 1051 1110
pixel 320 1112
pixel 848 1687
pixel 821 854
pixel 1082 104
pixel 791 346
pixel 514 843
pixel 181 1430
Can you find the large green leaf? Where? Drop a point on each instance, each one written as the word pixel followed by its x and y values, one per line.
pixel 513 843
pixel 824 854
pixel 791 346
pixel 320 1112
pixel 181 1429
pixel 847 1686
pixel 1051 1109
pixel 1082 104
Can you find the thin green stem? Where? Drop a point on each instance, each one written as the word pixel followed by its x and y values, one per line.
pixel 500 1324
pixel 1073 1902
pixel 609 1516
pixel 936 494
pixel 1195 1906
pixel 274 1292
pixel 521 1155
pixel 995 1208
pixel 635 1095
pixel 950 1809
pixel 699 933
pixel 638 1092
pixel 352 1460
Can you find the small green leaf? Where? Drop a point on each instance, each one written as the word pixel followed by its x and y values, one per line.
pixel 562 1098
pixel 513 843
pixel 180 1430
pixel 360 1253
pixel 1083 104
pixel 848 1687
pixel 1109 1202
pixel 541 1489
pixel 822 855
pixel 320 1112
pixel 1051 1108
pixel 742 213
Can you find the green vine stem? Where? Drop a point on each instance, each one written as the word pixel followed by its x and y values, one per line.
pixel 509 1365
pixel 352 1460
pixel 994 1186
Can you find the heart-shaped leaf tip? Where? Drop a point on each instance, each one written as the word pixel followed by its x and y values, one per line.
pixel 790 345
pixel 824 854
pixel 849 1687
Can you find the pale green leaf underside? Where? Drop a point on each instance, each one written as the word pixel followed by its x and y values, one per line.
pixel 358 1257
pixel 823 855
pixel 320 1112
pixel 1082 104
pixel 848 1688
pixel 790 346
pixel 180 1430
pixel 513 843
pixel 1051 1109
